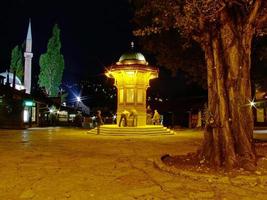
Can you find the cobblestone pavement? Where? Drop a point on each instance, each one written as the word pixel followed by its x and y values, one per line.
pixel 59 163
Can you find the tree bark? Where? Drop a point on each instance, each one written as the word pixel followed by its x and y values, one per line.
pixel 228 139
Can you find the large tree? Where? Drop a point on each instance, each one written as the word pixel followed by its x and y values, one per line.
pixel 224 29
pixel 16 64
pixel 52 64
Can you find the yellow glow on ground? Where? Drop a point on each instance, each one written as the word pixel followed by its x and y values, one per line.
pixel 60 163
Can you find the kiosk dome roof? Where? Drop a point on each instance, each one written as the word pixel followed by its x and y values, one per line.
pixel 132 58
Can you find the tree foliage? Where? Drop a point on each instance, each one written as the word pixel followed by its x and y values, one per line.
pixel 176 54
pixel 173 47
pixel 224 29
pixel 17 62
pixel 52 64
pixel 192 18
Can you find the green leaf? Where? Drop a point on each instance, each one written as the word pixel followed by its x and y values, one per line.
pixel 16 63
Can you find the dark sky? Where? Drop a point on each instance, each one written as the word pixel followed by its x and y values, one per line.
pixel 93 33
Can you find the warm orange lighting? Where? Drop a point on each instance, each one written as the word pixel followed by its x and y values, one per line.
pixel 108 74
pixel 132 74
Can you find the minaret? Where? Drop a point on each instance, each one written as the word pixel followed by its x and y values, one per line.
pixel 28 61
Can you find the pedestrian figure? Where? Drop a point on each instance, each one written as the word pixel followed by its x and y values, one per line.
pixel 134 114
pixel 124 116
pixel 156 118
pixel 99 121
pixel 148 115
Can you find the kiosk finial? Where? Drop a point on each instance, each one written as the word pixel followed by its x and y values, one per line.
pixel 132 45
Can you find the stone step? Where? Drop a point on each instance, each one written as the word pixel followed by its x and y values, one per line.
pixel 133 131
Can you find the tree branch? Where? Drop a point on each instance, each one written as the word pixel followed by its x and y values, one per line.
pixel 262 21
pixel 254 12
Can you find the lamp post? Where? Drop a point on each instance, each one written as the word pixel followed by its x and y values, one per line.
pixel 78 100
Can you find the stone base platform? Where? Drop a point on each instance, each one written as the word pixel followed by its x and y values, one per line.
pixel 134 131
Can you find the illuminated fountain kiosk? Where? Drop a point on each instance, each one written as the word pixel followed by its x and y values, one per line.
pixel 131 76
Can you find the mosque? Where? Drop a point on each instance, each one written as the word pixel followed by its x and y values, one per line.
pixel 20 107
pixel 17 105
pixel 8 77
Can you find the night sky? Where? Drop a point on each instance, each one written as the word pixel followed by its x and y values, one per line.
pixel 93 33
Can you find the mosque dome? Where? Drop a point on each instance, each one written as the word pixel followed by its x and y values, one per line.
pixel 18 83
pixel 11 76
pixel 132 58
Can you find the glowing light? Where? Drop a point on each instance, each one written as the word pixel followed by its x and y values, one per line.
pixel 132 45
pixel 72 115
pixel 26 116
pixel 52 109
pixel 62 112
pixel 29 103
pixel 19 87
pixel 78 99
pixel 130 73
pixel 108 74
pixel 131 82
pixel 252 103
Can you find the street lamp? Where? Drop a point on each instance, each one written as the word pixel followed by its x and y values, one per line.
pixel 252 103
pixel 78 100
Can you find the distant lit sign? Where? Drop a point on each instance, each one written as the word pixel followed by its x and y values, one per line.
pixel 29 103
pixel 72 115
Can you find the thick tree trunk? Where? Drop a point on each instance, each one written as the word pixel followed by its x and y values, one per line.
pixel 228 137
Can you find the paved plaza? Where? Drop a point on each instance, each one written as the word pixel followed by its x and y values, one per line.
pixel 59 163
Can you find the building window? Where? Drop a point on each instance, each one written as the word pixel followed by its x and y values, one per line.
pixel 130 96
pixel 121 96
pixel 260 114
pixel 26 115
pixel 33 114
pixel 140 96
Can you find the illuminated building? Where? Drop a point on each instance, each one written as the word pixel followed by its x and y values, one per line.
pixel 8 77
pixel 28 61
pixel 132 74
